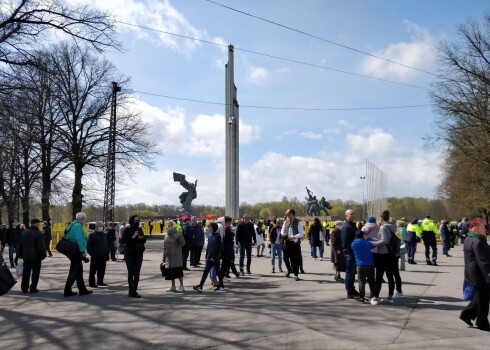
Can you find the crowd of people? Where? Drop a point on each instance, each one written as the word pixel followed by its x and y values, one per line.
pixel 371 250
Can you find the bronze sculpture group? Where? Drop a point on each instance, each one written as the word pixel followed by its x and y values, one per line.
pixel 314 206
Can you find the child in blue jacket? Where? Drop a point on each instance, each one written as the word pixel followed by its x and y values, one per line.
pixel 364 263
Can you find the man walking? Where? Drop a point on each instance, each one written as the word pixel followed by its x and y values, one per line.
pixel 187 233
pixel 245 235
pixel 31 249
pixel 47 237
pixel 292 231
pixel 12 239
pixel 348 232
pixel 429 231
pixel 197 242
pixel 98 249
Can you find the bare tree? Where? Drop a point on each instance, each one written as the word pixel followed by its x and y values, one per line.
pixel 462 99
pixel 82 91
pixel 23 23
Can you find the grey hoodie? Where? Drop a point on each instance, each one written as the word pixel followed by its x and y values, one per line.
pixel 384 235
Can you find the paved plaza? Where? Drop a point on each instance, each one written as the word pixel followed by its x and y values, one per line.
pixel 259 311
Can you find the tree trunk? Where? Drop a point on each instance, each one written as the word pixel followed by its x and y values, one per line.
pixel 45 195
pixel 77 196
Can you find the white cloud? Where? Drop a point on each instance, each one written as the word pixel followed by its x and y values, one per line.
pixel 257 75
pixel 373 141
pixel 334 131
pixel 419 52
pixel 330 174
pixel 284 70
pixel 203 135
pixel 310 135
pixel 343 123
pixel 159 15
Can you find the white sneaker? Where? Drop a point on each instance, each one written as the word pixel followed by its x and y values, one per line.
pixel 171 289
pixel 389 300
pixel 398 295
pixel 321 259
pixel 374 301
pixel 181 289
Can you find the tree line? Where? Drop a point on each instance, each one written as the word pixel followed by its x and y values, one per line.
pixel 461 98
pixel 55 106
pixel 408 207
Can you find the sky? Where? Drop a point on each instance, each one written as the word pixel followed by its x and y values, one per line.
pixel 283 151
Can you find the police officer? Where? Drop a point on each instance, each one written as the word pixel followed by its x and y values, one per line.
pixel 429 231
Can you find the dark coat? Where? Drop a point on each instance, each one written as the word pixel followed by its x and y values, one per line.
pixel 245 233
pixel 314 235
pixel 476 261
pixel 134 246
pixel 337 259
pixel 97 244
pixel 187 233
pixel 214 247
pixel 12 236
pixel 228 253
pixel 348 232
pixel 110 233
pixel 273 234
pixel 31 245
pixel 47 234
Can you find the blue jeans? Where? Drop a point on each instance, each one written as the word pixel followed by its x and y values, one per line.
pixel 320 249
pixel 276 250
pixel 207 269
pixel 245 249
pixel 350 272
pixel 12 250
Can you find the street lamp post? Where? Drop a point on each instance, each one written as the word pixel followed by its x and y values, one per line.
pixel 362 179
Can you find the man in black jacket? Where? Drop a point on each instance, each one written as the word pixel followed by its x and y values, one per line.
pixel 187 234
pixel 98 250
pixel 110 232
pixel 12 239
pixel 47 237
pixel 31 249
pixel 245 236
pixel 348 232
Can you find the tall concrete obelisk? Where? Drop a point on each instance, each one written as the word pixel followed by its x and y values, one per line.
pixel 232 137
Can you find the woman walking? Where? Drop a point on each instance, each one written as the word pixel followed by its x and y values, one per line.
pixel 228 252
pixel 172 257
pixel 213 257
pixel 337 257
pixel 477 273
pixel 134 240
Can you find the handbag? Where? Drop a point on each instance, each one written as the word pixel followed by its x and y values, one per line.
pixel 468 290
pixel 163 269
pixel 7 281
pixel 68 248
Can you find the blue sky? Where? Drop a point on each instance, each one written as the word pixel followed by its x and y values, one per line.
pixel 282 151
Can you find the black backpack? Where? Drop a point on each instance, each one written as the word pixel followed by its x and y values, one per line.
pixel 394 244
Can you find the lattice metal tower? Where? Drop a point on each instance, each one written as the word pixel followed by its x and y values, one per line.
pixel 110 175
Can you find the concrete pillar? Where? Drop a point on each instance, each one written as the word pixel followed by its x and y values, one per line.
pixel 232 140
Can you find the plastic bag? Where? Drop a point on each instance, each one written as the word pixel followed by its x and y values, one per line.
pixel 20 268
pixel 468 290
